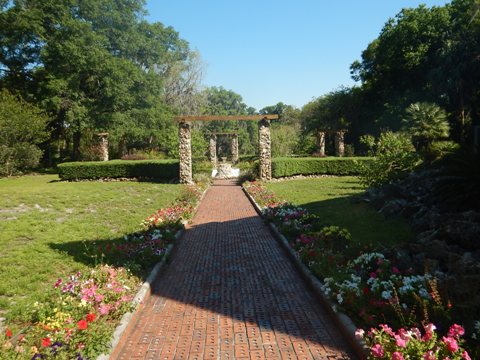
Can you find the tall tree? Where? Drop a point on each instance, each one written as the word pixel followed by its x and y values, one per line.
pixel 95 65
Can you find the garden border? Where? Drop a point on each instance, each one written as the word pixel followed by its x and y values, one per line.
pixel 344 323
pixel 142 295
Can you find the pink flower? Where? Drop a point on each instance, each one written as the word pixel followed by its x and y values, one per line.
pixel 417 333
pixel 395 270
pixel 430 328
pixel 104 309
pixel 465 356
pixel 451 343
pixel 430 355
pixel 397 356
pixel 58 283
pixel 400 341
pixel 387 329
pixel 377 351
pixel 456 331
pixel 373 275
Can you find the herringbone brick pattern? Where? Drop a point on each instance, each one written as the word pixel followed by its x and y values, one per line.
pixel 230 292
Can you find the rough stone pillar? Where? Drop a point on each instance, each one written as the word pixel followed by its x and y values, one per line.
pixel 340 143
pixel 103 146
pixel 213 149
pixel 234 148
pixel 185 151
pixel 321 143
pixel 264 149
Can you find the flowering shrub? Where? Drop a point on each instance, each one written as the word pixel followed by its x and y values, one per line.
pixel 263 196
pixel 74 321
pixel 368 286
pixel 376 291
pixel 140 251
pixel 384 343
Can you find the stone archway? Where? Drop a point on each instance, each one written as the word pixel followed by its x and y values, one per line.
pixel 185 142
pixel 213 150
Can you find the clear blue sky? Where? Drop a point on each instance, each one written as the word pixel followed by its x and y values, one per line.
pixel 278 50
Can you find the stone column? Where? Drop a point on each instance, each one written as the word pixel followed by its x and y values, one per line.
pixel 103 146
pixel 185 151
pixel 321 143
pixel 234 148
pixel 264 149
pixel 340 143
pixel 213 149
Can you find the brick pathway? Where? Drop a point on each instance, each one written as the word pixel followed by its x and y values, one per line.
pixel 230 292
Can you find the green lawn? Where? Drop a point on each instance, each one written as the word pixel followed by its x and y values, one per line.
pixel 46 227
pixel 330 197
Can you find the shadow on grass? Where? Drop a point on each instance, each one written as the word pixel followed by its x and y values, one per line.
pixel 366 225
pixel 138 257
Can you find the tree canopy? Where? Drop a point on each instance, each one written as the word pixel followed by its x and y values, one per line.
pixel 93 65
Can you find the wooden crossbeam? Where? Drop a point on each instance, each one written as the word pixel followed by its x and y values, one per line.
pixel 226 118
pixel 223 133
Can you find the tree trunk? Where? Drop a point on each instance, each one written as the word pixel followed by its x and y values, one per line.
pixel 321 143
pixel 77 136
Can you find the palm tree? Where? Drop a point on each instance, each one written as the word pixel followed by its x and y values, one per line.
pixel 426 122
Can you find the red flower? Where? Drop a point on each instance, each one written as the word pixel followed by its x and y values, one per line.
pixel 82 324
pixel 46 342
pixel 8 332
pixel 90 317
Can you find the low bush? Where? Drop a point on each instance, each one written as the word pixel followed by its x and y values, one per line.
pixel 394 158
pixel 282 167
pixel 151 169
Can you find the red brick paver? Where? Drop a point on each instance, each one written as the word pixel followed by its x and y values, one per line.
pixel 230 292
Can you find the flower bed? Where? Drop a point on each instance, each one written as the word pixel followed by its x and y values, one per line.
pixel 368 285
pixel 80 312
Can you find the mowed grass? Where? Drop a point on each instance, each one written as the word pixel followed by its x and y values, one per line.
pixel 40 217
pixel 331 199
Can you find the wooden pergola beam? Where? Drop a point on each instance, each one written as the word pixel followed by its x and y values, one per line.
pixel 223 133
pixel 226 118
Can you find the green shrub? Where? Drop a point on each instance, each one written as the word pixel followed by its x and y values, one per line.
pixel 22 128
pixel 394 158
pixel 439 149
pixel 282 167
pixel 202 167
pixel 150 169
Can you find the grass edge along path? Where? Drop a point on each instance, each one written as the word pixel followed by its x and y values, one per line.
pixel 369 287
pixel 77 317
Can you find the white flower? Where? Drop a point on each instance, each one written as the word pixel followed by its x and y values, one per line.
pixel 386 294
pixel 339 298
pixel 359 333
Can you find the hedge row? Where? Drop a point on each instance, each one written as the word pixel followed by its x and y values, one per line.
pixel 282 167
pixel 150 169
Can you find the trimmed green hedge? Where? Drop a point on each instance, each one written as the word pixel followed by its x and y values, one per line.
pixel 151 169
pixel 282 167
